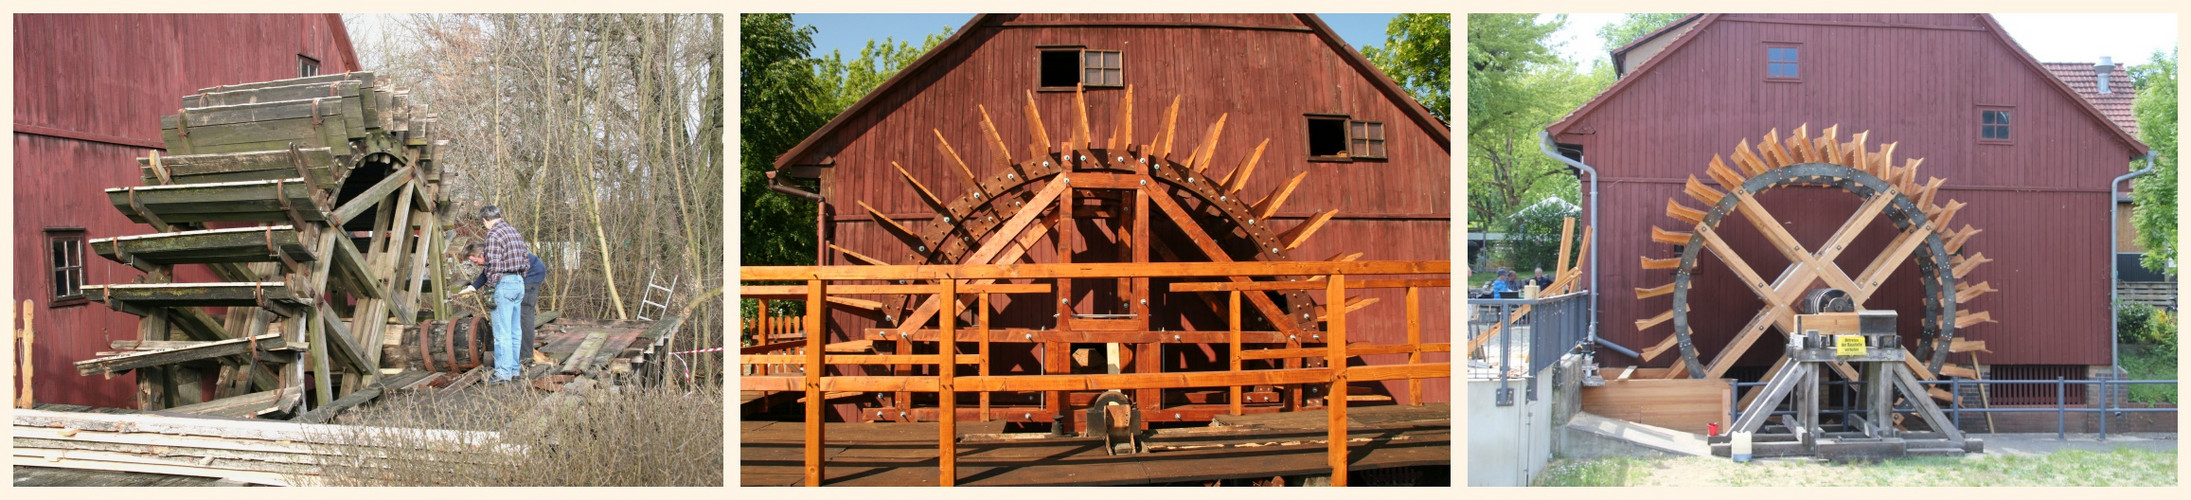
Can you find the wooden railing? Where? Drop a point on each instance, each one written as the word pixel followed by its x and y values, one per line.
pixel 982 282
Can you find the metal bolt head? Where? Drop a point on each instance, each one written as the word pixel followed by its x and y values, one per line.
pixel 1028 416
pixel 1061 301
pixel 923 248
pixel 1011 176
pixel 1083 157
pixel 1144 182
pixel 1144 302
pixel 1121 159
pixel 1175 337
pixel 1176 416
pixel 1030 336
pixel 1046 163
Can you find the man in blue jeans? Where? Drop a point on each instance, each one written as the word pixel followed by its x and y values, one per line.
pixel 506 265
pixel 534 277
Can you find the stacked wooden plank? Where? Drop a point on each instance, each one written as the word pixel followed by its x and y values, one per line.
pixel 268 184
pixel 249 451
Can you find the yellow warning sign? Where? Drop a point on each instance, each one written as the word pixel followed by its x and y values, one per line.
pixel 1848 345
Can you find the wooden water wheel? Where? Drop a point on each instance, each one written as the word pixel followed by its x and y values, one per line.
pixel 1924 239
pixel 1122 183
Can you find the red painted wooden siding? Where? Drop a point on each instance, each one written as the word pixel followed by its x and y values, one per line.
pixel 1266 71
pixel 89 93
pixel 1915 80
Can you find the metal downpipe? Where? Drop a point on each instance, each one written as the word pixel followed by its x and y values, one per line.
pixel 1545 144
pixel 2114 266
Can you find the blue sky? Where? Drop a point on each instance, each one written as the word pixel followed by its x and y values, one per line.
pixel 850 32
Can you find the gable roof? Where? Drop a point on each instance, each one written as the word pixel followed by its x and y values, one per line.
pixel 1677 28
pixel 2086 80
pixel 1684 37
pixel 1384 83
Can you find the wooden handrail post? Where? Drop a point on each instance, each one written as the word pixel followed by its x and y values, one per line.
pixel 1414 343
pixel 1234 306
pixel 947 397
pixel 817 318
pixel 1335 399
pixel 983 302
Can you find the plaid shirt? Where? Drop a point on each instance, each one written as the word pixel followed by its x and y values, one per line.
pixel 506 250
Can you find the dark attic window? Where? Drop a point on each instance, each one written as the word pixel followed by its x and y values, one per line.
pixel 307 66
pixel 1327 137
pixel 1060 68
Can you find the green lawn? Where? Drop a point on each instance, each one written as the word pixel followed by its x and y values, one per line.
pixel 2121 467
pixel 2150 363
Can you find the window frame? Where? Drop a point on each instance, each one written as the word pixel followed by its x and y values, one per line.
pixel 55 267
pixel 1795 64
pixel 1080 68
pixel 2007 124
pixel 1308 136
pixel 1378 144
pixel 1347 124
pixel 307 66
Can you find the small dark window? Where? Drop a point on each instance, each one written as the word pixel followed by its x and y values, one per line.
pixel 1060 68
pixel 1327 136
pixel 65 260
pixel 1993 125
pixel 1781 62
pixel 307 66
pixel 1100 68
pixel 1367 139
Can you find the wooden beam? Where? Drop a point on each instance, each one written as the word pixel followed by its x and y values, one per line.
pixel 944 147
pixel 185 351
pixel 374 195
pixel 1095 270
pixel 1270 203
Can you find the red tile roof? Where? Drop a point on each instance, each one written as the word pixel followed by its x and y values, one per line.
pixel 2115 105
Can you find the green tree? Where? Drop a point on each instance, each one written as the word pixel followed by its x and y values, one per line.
pixel 782 104
pixel 2155 193
pixel 1633 26
pixel 845 82
pixel 1517 85
pixel 1418 53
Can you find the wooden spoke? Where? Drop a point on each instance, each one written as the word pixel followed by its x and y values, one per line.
pixel 1747 160
pixel 1857 149
pixel 1293 237
pixel 1829 147
pixel 1122 134
pixel 1962 345
pixel 1264 209
pixel 1661 318
pixel 1702 193
pixel 1082 138
pixel 1965 292
pixel 857 257
pixel 1925 193
pixel 1786 243
pixel 1353 304
pixel 1165 134
pixel 1776 156
pixel 1958 371
pixel 1345 257
pixel 1201 159
pixel 1003 158
pixel 1239 175
pixel 1669 237
pixel 911 240
pixel 1967 319
pixel 1041 146
pixel 1880 161
pixel 1726 177
pixel 1663 345
pixel 1742 269
pixel 926 196
pixel 1963 265
pixel 952 155
pixel 1645 293
pixel 1650 263
pixel 1955 243
pixel 1800 139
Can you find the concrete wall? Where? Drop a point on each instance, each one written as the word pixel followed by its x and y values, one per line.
pixel 1509 445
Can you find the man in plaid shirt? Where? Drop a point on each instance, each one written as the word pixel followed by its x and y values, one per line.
pixel 506 264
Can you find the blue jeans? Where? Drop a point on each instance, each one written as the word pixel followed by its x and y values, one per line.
pixel 509 292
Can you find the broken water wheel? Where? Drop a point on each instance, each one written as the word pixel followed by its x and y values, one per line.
pixel 1924 239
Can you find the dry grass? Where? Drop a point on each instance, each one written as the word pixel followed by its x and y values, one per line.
pixel 605 437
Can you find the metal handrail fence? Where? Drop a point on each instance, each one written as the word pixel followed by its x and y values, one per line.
pixel 1955 409
pixel 1550 328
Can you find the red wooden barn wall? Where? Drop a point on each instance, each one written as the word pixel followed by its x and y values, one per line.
pixel 1266 71
pixel 1913 79
pixel 89 93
